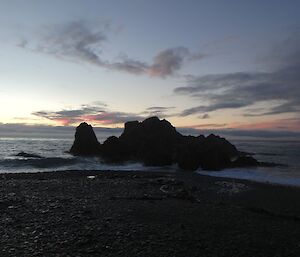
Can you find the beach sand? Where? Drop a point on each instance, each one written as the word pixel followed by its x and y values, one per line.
pixel 94 213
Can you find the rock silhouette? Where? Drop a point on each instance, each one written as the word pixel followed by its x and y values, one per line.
pixel 29 155
pixel 85 142
pixel 156 142
pixel 245 161
pixel 210 153
pixel 152 141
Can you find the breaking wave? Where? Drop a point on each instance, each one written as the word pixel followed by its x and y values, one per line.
pixel 50 162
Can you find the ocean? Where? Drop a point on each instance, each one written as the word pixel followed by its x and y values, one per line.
pixel 53 150
pixel 281 151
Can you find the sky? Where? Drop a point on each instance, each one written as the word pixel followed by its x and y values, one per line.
pixel 199 64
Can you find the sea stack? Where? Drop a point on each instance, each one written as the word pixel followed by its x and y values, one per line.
pixel 85 142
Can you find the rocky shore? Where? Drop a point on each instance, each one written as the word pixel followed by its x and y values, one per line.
pixel 92 213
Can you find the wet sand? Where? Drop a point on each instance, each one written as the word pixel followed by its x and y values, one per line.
pixel 132 214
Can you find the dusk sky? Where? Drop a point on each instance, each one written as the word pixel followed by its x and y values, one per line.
pixel 200 64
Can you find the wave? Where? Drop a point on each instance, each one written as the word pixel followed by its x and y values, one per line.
pixel 72 163
pixel 51 162
pixel 263 175
pixel 270 154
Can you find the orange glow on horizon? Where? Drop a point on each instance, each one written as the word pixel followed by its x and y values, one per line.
pixel 290 124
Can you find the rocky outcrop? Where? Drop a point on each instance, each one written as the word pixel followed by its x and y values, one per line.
pixel 152 141
pixel 85 142
pixel 156 142
pixel 114 150
pixel 29 155
pixel 209 153
pixel 245 161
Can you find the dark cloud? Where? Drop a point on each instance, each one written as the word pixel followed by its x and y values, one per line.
pixel 80 41
pixel 93 114
pixel 260 133
pixel 35 131
pixel 280 87
pixel 239 133
pixel 129 65
pixel 67 132
pixel 170 60
pixel 159 108
pixel 76 40
pixel 96 103
pixel 23 43
pixel 212 107
pixel 165 63
pixel 210 125
pixel 44 131
pixel 283 127
pixel 205 116
pixel 99 113
pixel 160 111
pixel 111 118
pixel 289 107
pixel 68 117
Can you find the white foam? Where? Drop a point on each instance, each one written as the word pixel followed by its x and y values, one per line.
pixel 264 175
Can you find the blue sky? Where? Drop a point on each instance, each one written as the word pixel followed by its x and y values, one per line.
pixel 200 64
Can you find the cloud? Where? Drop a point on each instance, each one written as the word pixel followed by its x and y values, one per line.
pixel 110 118
pixel 74 40
pixel 278 128
pixel 159 108
pixel 80 41
pixel 98 113
pixel 160 111
pixel 278 88
pixel 212 107
pixel 239 133
pixel 291 124
pixel 205 116
pixel 128 65
pixel 209 125
pixel 97 103
pixel 288 107
pixel 22 44
pixel 68 117
pixel 94 114
pixel 67 132
pixel 44 131
pixel 170 60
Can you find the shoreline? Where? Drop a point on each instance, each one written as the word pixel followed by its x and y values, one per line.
pixel 131 213
pixel 161 170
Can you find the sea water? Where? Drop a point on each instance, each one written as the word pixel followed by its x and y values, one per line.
pixel 53 151
pixel 285 152
pixel 55 157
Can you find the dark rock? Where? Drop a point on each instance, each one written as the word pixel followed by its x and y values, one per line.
pixel 217 153
pixel 114 150
pixel 152 141
pixel 209 153
pixel 156 142
pixel 157 154
pixel 245 161
pixel 130 126
pixel 86 142
pixel 29 155
pixel 242 153
pixel 189 152
pixel 272 164
pixel 220 143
